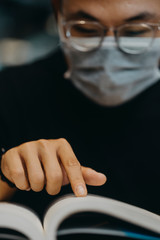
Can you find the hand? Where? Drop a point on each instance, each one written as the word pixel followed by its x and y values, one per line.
pixel 50 164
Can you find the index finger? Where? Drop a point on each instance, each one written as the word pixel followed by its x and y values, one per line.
pixel 72 168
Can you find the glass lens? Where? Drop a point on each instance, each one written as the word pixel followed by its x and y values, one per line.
pixel 85 36
pixel 135 38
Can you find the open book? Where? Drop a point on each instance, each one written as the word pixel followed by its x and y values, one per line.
pixel 79 218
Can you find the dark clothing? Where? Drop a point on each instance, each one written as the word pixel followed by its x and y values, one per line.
pixel 123 142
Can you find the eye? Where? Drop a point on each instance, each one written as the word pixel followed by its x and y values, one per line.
pixel 136 31
pixel 85 30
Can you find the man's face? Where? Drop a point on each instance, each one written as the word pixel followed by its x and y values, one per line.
pixel 108 76
pixel 113 13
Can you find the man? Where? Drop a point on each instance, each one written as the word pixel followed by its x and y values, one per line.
pixel 102 95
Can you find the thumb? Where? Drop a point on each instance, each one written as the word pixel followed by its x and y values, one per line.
pixel 93 178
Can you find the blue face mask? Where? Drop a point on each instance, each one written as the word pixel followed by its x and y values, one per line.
pixel 110 77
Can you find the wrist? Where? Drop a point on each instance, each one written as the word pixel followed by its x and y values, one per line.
pixel 2 176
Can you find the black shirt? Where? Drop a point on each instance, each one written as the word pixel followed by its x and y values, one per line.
pixel 123 142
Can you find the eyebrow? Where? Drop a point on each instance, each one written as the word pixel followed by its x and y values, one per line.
pixel 81 15
pixel 144 16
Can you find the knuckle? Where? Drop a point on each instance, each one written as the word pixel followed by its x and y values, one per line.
pixel 9 154
pixel 43 143
pixel 88 172
pixel 55 178
pixel 17 173
pixel 24 147
pixel 63 142
pixel 72 162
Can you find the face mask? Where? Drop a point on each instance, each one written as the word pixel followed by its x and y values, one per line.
pixel 110 77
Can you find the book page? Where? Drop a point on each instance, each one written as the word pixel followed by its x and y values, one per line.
pixel 93 225
pixel 22 220
pixel 70 205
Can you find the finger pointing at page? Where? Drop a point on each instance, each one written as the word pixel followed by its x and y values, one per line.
pixel 49 163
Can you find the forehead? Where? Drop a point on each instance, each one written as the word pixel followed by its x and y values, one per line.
pixel 104 10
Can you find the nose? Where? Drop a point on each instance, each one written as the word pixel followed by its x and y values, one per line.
pixel 109 32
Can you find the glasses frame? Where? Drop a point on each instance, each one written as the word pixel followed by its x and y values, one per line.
pixel 154 27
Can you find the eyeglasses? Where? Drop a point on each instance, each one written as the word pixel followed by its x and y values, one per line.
pixel 87 36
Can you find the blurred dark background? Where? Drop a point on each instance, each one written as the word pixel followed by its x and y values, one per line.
pixel 27 31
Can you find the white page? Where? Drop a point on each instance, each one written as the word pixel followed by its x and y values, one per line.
pixel 71 205
pixel 21 220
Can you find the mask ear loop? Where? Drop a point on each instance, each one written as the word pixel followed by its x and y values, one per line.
pixel 60 28
pixel 67 74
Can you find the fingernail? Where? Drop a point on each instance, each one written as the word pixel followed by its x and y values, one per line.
pixel 81 191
